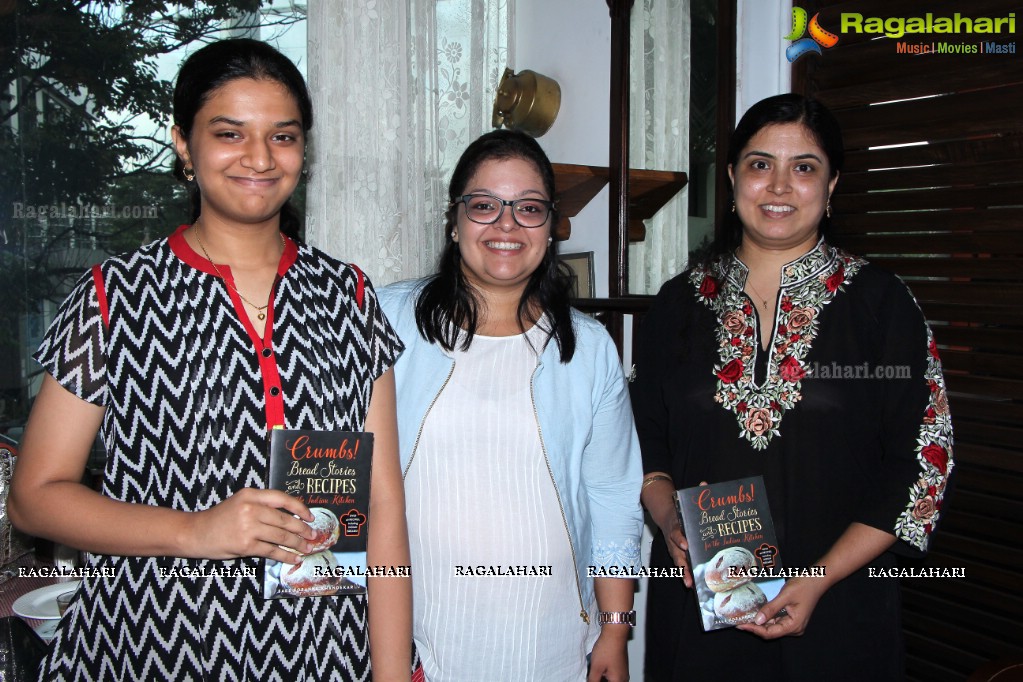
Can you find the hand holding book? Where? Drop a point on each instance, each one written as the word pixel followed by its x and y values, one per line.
pixel 732 549
pixel 789 613
pixel 251 523
pixel 327 473
pixel 658 495
pixel 678 548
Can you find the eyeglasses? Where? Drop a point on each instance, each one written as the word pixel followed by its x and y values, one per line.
pixel 487 210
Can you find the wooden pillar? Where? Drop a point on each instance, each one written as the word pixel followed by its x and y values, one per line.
pixel 618 161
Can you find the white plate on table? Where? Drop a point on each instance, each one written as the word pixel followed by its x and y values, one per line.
pixel 41 604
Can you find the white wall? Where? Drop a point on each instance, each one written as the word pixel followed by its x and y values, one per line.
pixel 761 67
pixel 570 41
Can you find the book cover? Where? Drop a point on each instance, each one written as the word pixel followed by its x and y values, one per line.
pixel 733 550
pixel 330 472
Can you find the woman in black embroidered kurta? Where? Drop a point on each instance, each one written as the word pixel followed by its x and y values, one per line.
pixel 837 399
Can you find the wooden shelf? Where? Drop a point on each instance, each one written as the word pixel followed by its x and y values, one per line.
pixel 649 191
pixel 577 185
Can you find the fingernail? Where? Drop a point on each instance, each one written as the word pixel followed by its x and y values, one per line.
pixel 760 619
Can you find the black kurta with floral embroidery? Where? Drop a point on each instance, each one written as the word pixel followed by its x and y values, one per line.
pixel 846 418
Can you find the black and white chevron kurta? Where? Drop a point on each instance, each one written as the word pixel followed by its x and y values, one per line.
pixel 190 390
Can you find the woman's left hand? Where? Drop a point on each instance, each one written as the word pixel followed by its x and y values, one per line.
pixel 798 598
pixel 610 659
pixel 859 545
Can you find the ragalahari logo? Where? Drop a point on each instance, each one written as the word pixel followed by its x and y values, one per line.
pixel 818 36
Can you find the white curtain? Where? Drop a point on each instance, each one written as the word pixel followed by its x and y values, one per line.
pixel 400 88
pixel 659 132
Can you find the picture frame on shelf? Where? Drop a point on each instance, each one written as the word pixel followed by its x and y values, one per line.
pixel 581 265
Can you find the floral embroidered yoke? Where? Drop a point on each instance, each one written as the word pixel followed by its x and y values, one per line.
pixel 759 403
pixel 807 285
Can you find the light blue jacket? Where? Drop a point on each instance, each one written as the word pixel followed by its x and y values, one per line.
pixel 586 430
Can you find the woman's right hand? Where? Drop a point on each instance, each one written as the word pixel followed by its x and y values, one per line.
pixel 658 496
pixel 677 546
pixel 251 523
pixel 47 500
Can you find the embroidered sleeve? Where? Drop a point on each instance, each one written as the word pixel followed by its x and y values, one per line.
pixel 616 554
pixel 73 348
pixel 934 456
pixel 916 430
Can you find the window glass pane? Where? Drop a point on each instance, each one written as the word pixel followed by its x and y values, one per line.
pixel 668 58
pixel 703 123
pixel 85 147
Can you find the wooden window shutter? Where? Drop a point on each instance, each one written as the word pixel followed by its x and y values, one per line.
pixel 947 216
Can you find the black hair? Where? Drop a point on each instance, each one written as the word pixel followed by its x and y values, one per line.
pixel 788 108
pixel 213 67
pixel 448 303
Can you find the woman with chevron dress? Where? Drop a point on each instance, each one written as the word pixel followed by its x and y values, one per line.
pixel 183 355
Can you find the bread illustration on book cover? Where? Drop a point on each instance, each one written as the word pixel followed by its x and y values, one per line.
pixel 733 551
pixel 330 472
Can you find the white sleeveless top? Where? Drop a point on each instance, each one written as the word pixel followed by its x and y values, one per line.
pixel 480 499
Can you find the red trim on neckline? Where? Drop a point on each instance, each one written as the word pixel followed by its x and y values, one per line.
pixel 274 404
pixel 271 380
pixel 288 256
pixel 181 248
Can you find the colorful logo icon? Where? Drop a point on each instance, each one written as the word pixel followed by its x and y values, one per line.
pixel 818 36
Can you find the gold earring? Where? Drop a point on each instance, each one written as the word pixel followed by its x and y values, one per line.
pixel 189 174
pixel 827 210
pixel 733 206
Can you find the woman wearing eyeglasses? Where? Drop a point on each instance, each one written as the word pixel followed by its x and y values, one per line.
pixel 518 448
